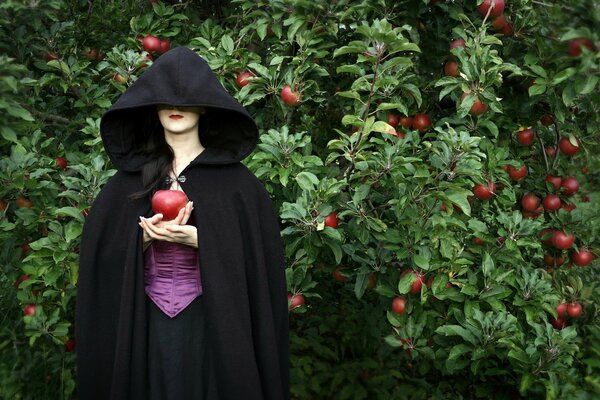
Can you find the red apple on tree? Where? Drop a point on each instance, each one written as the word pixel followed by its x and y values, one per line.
pixel 550 151
pixel 393 119
pixel 568 147
pixel 517 174
pixel 165 45
pixel 421 122
pixel 570 186
pixel 289 97
pixel 23 202
pixel 582 258
pixel 575 46
pixel 526 136
pixel 456 43
pixel 399 305
pixel 530 202
pixel 554 180
pixel 562 241
pixel 552 261
pixel 558 323
pixel 551 202
pixel 50 55
pixel 494 7
pixel 477 108
pixel 3 205
pixel 451 68
pixel 295 300
pixel 21 279
pixel 120 78
pixel 406 122
pixel 574 310
pixel 485 192
pixel 419 281
pixel 546 119
pixel 339 275
pixel 168 203
pixel 70 345
pixel 561 310
pixel 29 309
pixel 61 162
pixel 546 236
pixel 91 54
pixel 242 80
pixel 331 220
pixel 151 43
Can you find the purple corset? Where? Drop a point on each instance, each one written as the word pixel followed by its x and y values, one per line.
pixel 172 276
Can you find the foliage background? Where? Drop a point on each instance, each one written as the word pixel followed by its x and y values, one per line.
pixel 479 330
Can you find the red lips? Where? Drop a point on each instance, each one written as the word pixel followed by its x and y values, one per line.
pixel 175 116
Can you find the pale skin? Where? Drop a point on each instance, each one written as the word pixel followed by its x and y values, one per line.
pixel 181 133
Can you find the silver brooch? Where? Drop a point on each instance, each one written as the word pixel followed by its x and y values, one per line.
pixel 169 180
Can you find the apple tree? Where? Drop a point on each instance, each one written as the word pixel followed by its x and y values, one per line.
pixel 433 163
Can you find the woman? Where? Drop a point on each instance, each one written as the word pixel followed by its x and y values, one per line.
pixel 195 307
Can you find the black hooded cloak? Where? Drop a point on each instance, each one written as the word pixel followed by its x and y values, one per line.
pixel 239 248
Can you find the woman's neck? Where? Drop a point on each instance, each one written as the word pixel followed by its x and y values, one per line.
pixel 186 147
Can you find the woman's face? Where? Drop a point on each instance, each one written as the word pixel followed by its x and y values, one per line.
pixel 176 119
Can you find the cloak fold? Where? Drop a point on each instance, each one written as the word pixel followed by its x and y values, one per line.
pixel 240 253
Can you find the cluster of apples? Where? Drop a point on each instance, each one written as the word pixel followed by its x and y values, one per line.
pixel 573 310
pixel 420 122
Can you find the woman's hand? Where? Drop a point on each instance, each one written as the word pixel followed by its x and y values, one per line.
pixel 175 231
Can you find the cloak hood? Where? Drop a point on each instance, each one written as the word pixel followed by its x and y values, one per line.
pixel 179 77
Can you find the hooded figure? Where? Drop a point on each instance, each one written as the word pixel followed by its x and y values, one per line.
pixel 228 339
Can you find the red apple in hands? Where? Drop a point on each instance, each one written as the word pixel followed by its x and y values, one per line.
pixel 289 97
pixel 399 305
pixel 242 80
pixel 168 203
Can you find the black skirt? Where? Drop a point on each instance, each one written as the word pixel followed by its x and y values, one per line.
pixel 177 356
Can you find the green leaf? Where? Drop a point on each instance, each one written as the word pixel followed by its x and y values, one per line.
pixel 457 330
pixel 458 350
pixel 307 181
pixel 406 282
pixel 487 265
pixel 360 285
